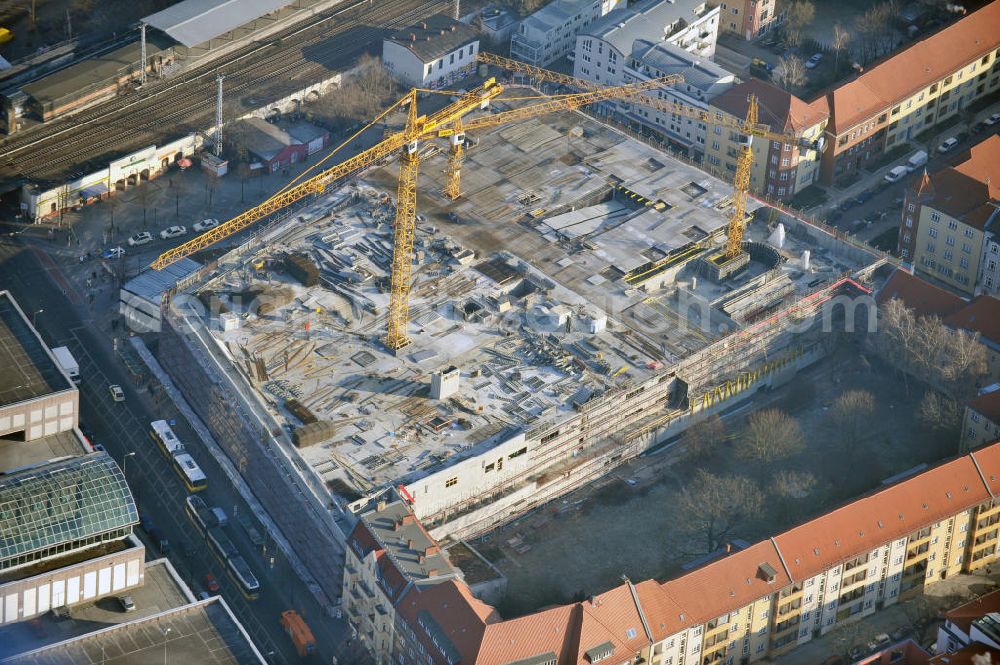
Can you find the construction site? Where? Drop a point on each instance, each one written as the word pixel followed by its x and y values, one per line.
pixel 573 307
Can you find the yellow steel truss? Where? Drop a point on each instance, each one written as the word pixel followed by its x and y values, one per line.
pixel 741 184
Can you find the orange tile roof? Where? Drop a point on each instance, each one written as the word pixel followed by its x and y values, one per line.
pixel 918 66
pixel 778 109
pixel 611 617
pixel 663 614
pixel 981 162
pixel 894 512
pixel 988 460
pixel 553 630
pixel 963 615
pixel 461 618
pixel 919 295
pixel 981 315
pixel 727 584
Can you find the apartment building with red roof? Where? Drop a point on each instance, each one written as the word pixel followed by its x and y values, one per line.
pixel 950 218
pixel 981 419
pixel 753 603
pixel 779 169
pixel 895 100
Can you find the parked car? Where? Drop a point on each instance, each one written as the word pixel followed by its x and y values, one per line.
pixel 204 595
pixel 211 583
pixel 127 604
pixel 140 238
pixel 896 174
pixel 813 60
pixel 113 253
pixel 863 197
pixel 173 232
pixel 205 225
pixel 117 394
pixel 992 120
pixel 947 145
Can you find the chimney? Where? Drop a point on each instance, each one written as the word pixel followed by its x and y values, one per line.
pixel 432 572
pixel 423 25
pixel 420 558
pixel 409 543
pixel 413 37
pixel 431 550
pixel 409 518
pixel 397 525
pixel 380 506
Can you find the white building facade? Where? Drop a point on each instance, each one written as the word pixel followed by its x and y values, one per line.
pixel 703 80
pixel 603 50
pixel 550 33
pixel 434 53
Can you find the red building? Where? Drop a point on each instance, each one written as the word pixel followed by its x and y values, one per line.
pixel 274 146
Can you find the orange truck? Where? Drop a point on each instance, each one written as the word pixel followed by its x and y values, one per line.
pixel 302 637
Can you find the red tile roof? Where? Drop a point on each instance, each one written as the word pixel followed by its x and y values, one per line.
pixel 918 66
pixel 778 109
pixel 479 636
pixel 894 512
pixel 981 162
pixel 981 315
pixel 920 296
pixel 727 584
pixel 963 615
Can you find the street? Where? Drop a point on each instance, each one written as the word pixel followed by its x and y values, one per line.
pixel 122 428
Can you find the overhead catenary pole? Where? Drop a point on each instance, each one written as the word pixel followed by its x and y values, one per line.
pixel 142 53
pixel 218 114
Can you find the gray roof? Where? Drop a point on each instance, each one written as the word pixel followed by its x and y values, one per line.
pixel 203 632
pixel 698 72
pixel 152 284
pixel 435 36
pixel 555 13
pixel 644 20
pixel 94 71
pixel 266 140
pixel 194 22
pixel 406 542
pixel 28 369
pixel 61 503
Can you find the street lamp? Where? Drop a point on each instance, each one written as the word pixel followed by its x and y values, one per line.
pixel 34 315
pixel 124 460
pixel 165 633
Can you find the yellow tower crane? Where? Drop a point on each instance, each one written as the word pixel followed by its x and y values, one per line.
pixel 746 130
pixel 449 122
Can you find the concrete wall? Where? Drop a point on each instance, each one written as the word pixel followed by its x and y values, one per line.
pixel 40 417
pixel 83 582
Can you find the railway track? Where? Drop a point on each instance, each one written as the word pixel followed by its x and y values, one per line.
pixel 186 103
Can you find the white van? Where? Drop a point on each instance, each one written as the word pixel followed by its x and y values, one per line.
pixel 896 173
pixel 916 160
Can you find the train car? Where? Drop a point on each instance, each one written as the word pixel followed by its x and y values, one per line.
pixel 240 571
pixel 165 438
pixel 221 545
pixel 189 471
pixel 200 513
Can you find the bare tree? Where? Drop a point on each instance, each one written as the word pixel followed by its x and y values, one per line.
pixel 874 28
pixel 703 437
pixel 789 484
pixel 362 95
pixel 790 73
pixel 940 412
pixel 840 40
pixel 716 506
pixel 798 15
pixel 770 435
pixel 923 612
pixel 851 412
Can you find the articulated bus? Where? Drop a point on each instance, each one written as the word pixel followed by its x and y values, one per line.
pixel 165 438
pixel 185 466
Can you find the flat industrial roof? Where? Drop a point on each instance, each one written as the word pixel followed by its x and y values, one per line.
pixel 29 371
pixel 99 69
pixel 201 632
pixel 194 22
pixel 19 454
